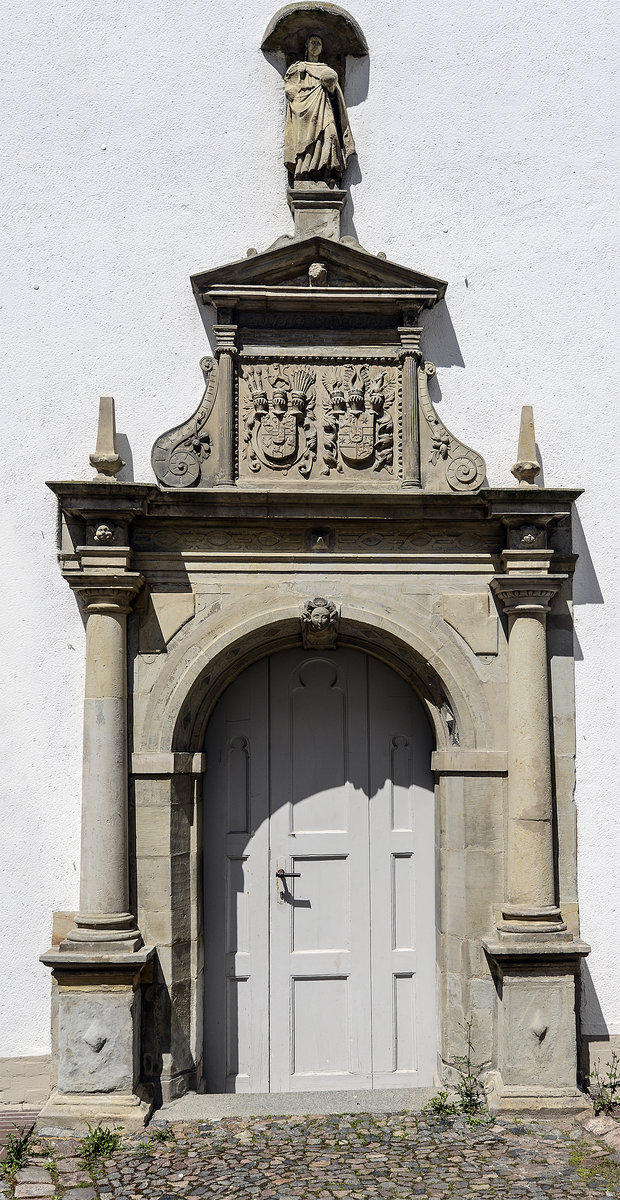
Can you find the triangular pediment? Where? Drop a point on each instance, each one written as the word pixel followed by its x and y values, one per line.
pixel 288 264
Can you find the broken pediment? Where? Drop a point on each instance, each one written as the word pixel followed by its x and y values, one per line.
pixel 317 379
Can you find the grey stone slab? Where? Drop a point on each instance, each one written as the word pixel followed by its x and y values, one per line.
pixel 33 1175
pixel 195 1107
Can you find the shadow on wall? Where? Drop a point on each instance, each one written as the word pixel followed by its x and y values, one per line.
pixel 596 1044
pixel 586 588
pixel 124 449
pixel 439 338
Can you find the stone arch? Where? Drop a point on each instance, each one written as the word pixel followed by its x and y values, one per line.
pixel 211 653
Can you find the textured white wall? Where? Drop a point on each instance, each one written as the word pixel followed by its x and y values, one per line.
pixel 142 142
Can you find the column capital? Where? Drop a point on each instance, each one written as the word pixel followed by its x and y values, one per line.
pixel 225 335
pixel 105 593
pixel 526 593
pixel 410 337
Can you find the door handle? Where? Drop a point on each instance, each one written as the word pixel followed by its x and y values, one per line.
pixel 281 874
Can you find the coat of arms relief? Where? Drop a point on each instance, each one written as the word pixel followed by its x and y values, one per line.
pixel 358 423
pixel 280 428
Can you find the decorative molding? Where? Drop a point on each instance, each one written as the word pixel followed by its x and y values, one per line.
pixel 153 763
pixel 469 762
pixel 178 456
pixel 320 624
pixel 106 593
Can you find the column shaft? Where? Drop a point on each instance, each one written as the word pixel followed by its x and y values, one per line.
pixel 104 865
pixel 530 872
pixel 410 339
pixel 104 922
pixel 225 384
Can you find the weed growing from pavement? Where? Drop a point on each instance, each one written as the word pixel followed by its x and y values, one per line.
pixel 100 1142
pixel 16 1152
pixel 162 1133
pixel 469 1101
pixel 606 1095
pixel 591 1167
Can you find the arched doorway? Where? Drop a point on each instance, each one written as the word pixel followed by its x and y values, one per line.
pixel 318 766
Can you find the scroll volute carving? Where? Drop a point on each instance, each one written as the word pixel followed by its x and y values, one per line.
pixel 447 464
pixel 184 456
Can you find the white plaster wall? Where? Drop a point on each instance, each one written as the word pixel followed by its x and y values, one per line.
pixel 141 142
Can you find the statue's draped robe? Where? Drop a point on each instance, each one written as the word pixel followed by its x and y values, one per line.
pixel 317 138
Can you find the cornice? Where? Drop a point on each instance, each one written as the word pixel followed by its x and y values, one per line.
pixel 130 500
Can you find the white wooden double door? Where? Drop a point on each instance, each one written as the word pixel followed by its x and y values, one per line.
pixel 318 766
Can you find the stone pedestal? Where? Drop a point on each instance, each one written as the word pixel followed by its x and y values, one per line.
pixel 99 1002
pixel 537 1027
pixel 316 209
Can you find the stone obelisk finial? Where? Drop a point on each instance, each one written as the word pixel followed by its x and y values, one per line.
pixel 527 466
pixel 105 458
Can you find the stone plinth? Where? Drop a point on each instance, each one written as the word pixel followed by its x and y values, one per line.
pixel 537 1027
pixel 99 1011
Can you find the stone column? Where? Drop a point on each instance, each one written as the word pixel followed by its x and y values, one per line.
pixel 410 340
pixel 104 922
pixel 534 959
pixel 530 905
pixel 100 966
pixel 225 353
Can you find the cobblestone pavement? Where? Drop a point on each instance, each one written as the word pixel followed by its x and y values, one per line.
pixel 363 1156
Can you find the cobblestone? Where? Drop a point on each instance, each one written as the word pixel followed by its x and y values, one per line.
pixel 359 1157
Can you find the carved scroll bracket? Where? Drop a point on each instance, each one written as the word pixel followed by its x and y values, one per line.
pixel 179 456
pixel 449 461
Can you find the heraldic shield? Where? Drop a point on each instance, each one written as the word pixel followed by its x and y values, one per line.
pixel 356 437
pixel 277 436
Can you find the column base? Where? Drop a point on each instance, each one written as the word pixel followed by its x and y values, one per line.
pixel 76 1111
pixel 530 919
pixel 112 933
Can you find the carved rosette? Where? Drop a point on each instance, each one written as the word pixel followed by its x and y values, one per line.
pixel 358 426
pixel 462 468
pixel 278 412
pixel 178 455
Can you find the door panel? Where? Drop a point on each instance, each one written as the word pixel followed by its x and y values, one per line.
pixel 318 765
pixel 320 950
pixel 236 888
pixel 401 883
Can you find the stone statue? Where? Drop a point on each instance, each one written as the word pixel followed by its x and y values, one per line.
pixel 317 138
